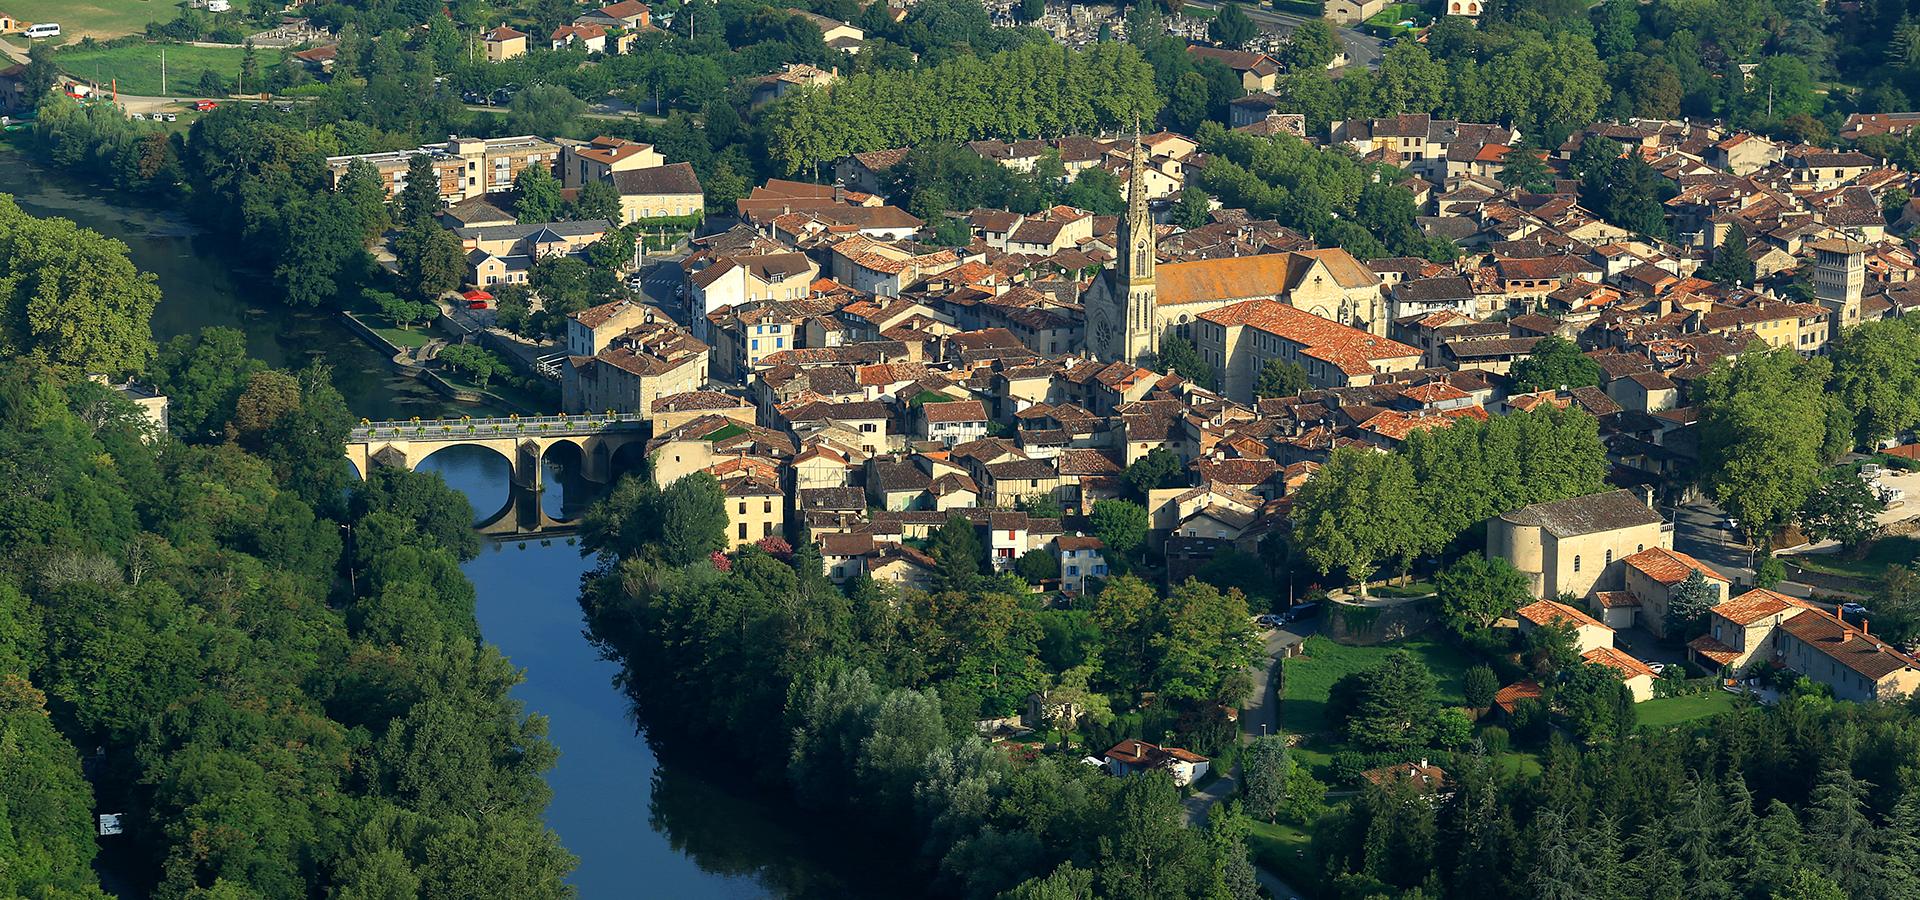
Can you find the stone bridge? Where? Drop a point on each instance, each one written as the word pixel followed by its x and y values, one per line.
pixel 522 440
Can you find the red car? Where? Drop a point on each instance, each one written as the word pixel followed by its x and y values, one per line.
pixel 204 105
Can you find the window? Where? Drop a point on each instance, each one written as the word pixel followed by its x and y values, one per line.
pixel 1576 563
pixel 1609 558
pixel 743 531
pixel 766 529
pixel 743 507
pixel 1073 570
pixel 1639 547
pixel 756 345
pixel 766 506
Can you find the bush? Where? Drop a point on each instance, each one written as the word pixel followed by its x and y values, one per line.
pixel 1495 740
pixel 1348 766
pixel 1451 729
pixel 1770 572
pixel 1479 684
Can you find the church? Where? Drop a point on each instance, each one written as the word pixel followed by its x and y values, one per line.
pixel 1131 306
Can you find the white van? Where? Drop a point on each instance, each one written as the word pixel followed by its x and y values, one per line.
pixel 44 30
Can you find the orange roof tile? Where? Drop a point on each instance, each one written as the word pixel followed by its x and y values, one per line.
pixel 1547 612
pixel 1670 566
pixel 1627 666
pixel 1758 604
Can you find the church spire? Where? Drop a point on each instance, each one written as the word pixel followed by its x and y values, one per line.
pixel 1136 230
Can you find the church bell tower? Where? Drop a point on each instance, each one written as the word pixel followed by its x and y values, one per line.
pixel 1134 285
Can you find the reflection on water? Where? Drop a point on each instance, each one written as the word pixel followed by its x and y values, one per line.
pixel 200 289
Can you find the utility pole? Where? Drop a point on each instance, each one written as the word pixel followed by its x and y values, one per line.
pixel 163 71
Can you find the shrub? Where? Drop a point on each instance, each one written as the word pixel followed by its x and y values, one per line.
pixel 1495 740
pixel 1479 684
pixel 1347 766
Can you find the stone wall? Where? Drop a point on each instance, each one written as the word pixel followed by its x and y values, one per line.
pixel 1378 621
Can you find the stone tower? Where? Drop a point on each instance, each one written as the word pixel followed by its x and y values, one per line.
pixel 1839 278
pixel 1133 275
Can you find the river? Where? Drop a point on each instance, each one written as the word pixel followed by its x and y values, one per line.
pixel 641 828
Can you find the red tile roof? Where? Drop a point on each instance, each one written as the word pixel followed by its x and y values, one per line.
pixel 1547 612
pixel 1669 566
pixel 1627 666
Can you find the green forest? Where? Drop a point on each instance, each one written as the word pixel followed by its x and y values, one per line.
pixel 270 669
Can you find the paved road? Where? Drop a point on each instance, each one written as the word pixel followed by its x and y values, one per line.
pixel 1362 49
pixel 1260 715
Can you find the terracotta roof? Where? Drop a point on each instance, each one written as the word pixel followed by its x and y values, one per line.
pixel 1848 646
pixel 955 411
pixel 697 400
pixel 1508 698
pixel 841 544
pixel 1627 666
pixel 1616 599
pixel 1670 566
pixel 672 178
pixel 1349 348
pixel 503 33
pixel 1547 612
pixel 1758 604
pixel 1242 277
pixel 1076 542
pixel 1706 646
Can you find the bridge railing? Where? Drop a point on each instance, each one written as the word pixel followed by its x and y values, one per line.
pixel 510 426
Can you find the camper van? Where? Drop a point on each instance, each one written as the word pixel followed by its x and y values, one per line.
pixel 44 30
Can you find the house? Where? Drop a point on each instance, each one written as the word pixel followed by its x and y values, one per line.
pixel 1081 558
pixel 741 279
pixel 318 59
pixel 649 361
pixel 602 157
pixel 631 15
pixel 835 33
pixel 674 410
pixel 651 194
pixel 1133 755
pixel 791 77
pixel 591 38
pixel 868 171
pixel 1352 12
pixel 1636 675
pixel 1239 340
pixel 1653 573
pixel 756 509
pixel 844 555
pixel 1427 779
pixel 1258 72
pixel 590 330
pixel 904 565
pixel 504 43
pixel 1762 626
pixel 1589 633
pixel 1565 546
pixel 1509 698
pixel 952 422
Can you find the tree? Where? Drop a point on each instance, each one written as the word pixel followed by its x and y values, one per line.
pixel 211 84
pixel 420 196
pixel 1554 363
pixel 693 519
pixel 1160 468
pixel 1203 645
pixel 538 196
pixel 1148 852
pixel 1731 264
pixel 1876 372
pixel 1395 703
pixel 1688 602
pixel 1844 508
pixel 1263 772
pixel 1121 525
pixel 597 200
pixel 430 260
pixel 249 67
pixel 1551 648
pixel 1037 565
pixel 1763 436
pixel 1032 10
pixel 1479 685
pixel 475 362
pixel 956 547
pixel 1192 209
pixel 1477 591
pixel 1523 168
pixel 71 297
pixel 1280 378
pixel 1178 355
pixel 544 109
pixel 1357 510
pixel 1097 191
pixel 1310 47
pixel 403 312
pixel 1231 26
pixel 1598 707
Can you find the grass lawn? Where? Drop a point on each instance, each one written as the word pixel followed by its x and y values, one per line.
pixel 138 67
pixel 1394 14
pixel 1674 710
pixel 1893 551
pixel 412 338
pixel 96 18
pixel 1285 851
pixel 1310 676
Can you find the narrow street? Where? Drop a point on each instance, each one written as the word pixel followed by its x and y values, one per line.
pixel 1260 715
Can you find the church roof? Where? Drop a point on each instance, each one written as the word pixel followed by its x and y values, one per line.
pixel 1247 277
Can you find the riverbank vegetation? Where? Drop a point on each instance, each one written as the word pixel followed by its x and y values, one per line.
pixel 863 703
pixel 272 673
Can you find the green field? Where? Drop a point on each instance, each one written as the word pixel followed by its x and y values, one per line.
pixel 1310 676
pixel 93 18
pixel 138 67
pixel 1893 551
pixel 1394 14
pixel 1674 710
pixel 1285 851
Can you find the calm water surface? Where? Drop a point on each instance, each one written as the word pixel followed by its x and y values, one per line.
pixel 641 828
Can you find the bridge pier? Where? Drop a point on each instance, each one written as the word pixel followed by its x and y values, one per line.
pixel 527 465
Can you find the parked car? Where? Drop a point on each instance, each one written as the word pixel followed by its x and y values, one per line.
pixel 1657 667
pixel 204 105
pixel 1301 612
pixel 1852 610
